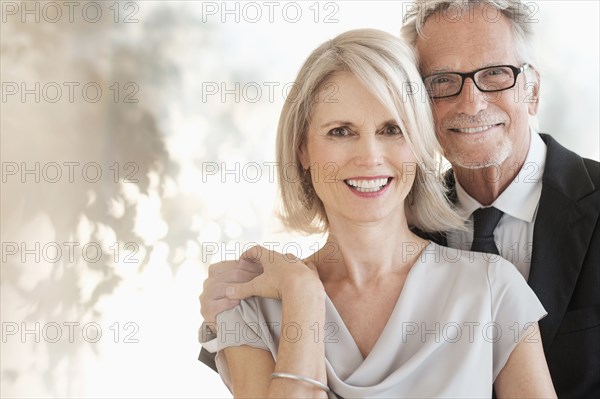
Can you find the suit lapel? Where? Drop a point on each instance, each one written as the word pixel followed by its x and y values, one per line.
pixel 561 236
pixel 557 256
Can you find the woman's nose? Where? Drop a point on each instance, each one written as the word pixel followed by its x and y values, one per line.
pixel 369 151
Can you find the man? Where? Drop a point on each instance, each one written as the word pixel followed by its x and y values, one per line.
pixel 541 201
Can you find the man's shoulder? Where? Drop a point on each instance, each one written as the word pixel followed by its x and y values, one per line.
pixel 568 171
pixel 593 167
pixel 557 153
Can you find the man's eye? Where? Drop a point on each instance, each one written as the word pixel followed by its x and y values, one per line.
pixel 392 130
pixel 443 79
pixel 339 132
pixel 438 80
pixel 495 72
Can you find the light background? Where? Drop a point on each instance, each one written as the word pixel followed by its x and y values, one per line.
pixel 182 213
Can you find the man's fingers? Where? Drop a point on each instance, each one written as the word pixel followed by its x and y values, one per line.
pixel 212 292
pixel 240 291
pixel 214 289
pixel 213 308
pixel 253 255
pixel 224 267
pixel 240 276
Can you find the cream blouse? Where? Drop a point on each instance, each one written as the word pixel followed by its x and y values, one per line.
pixel 457 319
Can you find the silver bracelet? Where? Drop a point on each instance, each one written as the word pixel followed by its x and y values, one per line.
pixel 310 381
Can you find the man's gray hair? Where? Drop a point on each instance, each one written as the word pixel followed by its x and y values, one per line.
pixel 521 16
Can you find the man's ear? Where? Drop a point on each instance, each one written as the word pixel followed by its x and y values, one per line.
pixel 533 92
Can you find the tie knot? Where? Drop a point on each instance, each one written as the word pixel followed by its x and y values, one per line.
pixel 484 223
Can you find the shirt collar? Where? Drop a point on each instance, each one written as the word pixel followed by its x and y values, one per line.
pixel 521 197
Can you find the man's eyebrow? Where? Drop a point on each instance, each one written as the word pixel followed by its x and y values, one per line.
pixel 436 70
pixel 442 69
pixel 448 69
pixel 489 64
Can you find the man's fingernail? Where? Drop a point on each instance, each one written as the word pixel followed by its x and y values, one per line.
pixel 230 291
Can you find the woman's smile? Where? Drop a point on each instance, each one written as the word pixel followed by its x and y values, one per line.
pixel 369 187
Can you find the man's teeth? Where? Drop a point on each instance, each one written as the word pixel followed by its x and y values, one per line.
pixel 474 129
pixel 368 186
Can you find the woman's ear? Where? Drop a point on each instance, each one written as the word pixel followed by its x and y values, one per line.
pixel 303 156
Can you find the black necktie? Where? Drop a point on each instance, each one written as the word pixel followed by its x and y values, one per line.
pixel 485 221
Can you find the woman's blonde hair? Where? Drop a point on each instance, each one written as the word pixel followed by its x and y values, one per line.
pixel 386 65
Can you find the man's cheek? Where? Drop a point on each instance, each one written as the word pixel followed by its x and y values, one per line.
pixel 438 112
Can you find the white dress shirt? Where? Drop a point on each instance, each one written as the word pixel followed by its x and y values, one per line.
pixel 519 202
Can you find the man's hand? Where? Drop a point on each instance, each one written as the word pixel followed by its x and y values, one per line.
pixel 280 273
pixel 220 276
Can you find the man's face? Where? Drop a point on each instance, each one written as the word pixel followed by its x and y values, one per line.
pixel 477 129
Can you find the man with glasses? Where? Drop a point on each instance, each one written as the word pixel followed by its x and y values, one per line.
pixel 531 200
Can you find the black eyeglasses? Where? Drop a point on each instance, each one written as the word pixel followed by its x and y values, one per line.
pixel 487 80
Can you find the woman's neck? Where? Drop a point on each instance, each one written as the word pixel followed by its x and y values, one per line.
pixel 361 254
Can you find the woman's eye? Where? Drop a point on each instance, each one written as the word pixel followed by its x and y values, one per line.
pixel 339 132
pixel 392 130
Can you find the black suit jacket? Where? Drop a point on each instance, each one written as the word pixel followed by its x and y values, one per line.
pixel 565 270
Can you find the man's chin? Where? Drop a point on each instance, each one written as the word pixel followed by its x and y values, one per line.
pixel 473 164
pixel 468 161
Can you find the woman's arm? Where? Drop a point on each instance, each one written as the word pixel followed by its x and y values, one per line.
pixel 303 306
pixel 526 374
pixel 250 369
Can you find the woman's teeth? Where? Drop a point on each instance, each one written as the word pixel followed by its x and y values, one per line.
pixel 367 186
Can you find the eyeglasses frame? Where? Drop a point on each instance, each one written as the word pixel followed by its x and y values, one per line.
pixel 464 75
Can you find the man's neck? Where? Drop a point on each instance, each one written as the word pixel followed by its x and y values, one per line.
pixel 486 184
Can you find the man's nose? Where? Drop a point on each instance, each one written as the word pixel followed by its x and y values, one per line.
pixel 471 100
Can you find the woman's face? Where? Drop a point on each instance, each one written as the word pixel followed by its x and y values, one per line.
pixel 361 166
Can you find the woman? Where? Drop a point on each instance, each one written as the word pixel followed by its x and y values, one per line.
pixel 378 311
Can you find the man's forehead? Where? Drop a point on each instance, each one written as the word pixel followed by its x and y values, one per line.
pixel 464 60
pixel 466 28
pixel 464 45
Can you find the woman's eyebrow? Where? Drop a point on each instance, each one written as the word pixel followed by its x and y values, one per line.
pixel 350 124
pixel 339 123
pixel 388 122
